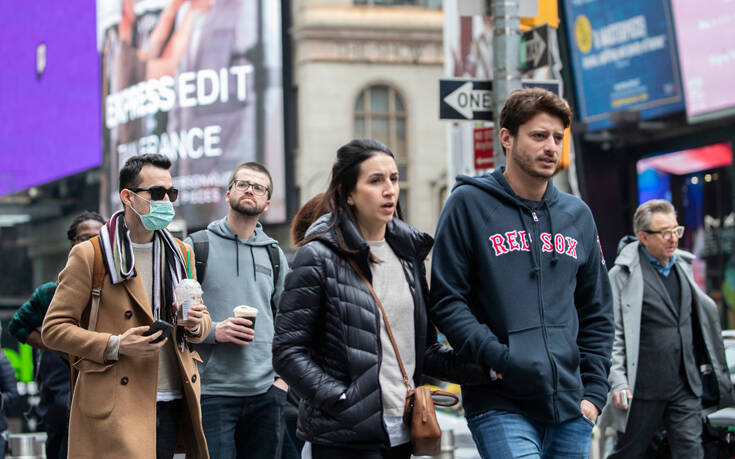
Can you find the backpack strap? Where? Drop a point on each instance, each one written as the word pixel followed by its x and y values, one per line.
pixel 275 257
pixel 201 252
pixel 98 278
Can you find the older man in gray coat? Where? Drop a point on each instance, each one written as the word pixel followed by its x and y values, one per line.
pixel 668 360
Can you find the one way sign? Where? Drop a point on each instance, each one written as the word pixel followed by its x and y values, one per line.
pixel 465 100
pixel 473 99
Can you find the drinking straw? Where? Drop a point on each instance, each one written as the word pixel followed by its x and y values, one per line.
pixel 188 265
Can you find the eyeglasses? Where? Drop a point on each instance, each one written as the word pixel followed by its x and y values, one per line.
pixel 83 237
pixel 158 192
pixel 242 186
pixel 667 234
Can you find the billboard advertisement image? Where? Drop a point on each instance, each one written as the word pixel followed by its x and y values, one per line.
pixel 200 82
pixel 706 42
pixel 624 58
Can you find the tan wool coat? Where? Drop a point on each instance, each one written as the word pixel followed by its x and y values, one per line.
pixel 113 409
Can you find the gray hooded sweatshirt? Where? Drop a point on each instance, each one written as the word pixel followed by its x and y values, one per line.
pixel 239 272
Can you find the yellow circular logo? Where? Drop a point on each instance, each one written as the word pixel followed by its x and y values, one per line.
pixel 583 33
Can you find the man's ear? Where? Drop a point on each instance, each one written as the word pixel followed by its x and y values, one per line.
pixel 506 138
pixel 126 197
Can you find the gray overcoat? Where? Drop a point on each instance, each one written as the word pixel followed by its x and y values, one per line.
pixel 626 281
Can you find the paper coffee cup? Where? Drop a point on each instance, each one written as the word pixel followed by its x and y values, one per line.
pixel 246 312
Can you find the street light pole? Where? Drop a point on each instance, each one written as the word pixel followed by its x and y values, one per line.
pixel 506 60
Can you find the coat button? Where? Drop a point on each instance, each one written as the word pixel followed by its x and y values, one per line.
pixel 124 380
pixel 128 314
pixel 194 378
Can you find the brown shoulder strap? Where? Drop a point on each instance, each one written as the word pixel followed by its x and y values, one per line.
pixel 406 380
pixel 98 278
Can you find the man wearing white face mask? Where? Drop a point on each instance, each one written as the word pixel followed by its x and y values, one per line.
pixel 134 397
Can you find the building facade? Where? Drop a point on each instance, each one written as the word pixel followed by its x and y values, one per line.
pixel 370 69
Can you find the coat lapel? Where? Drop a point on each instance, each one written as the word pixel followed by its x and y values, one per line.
pixel 136 290
pixel 686 293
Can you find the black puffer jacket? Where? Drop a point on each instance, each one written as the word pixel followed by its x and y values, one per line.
pixel 327 335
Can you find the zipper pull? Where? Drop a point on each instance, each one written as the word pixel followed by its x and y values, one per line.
pixel 535 218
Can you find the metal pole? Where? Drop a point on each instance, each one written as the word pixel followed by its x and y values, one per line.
pixel 506 60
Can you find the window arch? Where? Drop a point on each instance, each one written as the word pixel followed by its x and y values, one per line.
pixel 380 114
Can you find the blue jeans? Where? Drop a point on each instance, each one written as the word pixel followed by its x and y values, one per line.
pixel 501 434
pixel 243 427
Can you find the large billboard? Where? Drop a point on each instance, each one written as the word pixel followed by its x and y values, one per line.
pixel 706 42
pixel 200 82
pixel 49 93
pixel 623 59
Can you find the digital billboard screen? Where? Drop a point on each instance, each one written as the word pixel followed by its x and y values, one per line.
pixel 49 93
pixel 200 82
pixel 623 59
pixel 706 42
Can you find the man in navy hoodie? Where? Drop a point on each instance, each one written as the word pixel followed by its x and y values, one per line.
pixel 519 284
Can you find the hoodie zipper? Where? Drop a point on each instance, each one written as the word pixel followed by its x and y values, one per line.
pixel 544 333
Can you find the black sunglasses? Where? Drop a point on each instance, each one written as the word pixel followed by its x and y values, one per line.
pixel 158 192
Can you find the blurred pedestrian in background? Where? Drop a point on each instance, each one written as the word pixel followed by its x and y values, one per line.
pixel 331 343
pixel 9 391
pixel 52 369
pixel 668 359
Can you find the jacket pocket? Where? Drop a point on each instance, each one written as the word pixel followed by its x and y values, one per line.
pixel 565 352
pixel 96 388
pixel 528 373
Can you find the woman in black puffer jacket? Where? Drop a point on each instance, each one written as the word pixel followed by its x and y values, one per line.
pixel 330 344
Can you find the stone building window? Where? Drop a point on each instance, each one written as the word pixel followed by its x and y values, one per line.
pixel 380 114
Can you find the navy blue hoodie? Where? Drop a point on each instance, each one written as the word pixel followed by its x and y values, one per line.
pixel 526 293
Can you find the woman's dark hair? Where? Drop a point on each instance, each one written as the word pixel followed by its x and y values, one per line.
pixel 345 172
pixel 71 233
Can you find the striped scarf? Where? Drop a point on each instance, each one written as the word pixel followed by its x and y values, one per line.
pixel 168 264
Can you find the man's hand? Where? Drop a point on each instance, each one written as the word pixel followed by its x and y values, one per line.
pixel 134 344
pixel 194 318
pixel 34 339
pixel 281 384
pixel 588 410
pixel 619 402
pixel 234 330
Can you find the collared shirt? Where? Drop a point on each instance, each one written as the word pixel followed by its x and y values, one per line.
pixel 663 270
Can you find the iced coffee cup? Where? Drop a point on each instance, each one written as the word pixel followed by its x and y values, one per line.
pixel 246 312
pixel 188 294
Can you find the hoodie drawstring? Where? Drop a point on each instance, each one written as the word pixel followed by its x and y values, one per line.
pixel 534 267
pixel 554 254
pixel 252 257
pixel 237 257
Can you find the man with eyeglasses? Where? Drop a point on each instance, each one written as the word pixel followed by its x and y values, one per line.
pixel 668 359
pixel 52 369
pixel 242 397
pixel 134 396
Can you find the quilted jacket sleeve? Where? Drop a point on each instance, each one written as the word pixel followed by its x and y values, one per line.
pixel 300 308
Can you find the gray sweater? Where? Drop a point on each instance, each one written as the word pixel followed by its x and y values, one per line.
pixel 238 272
